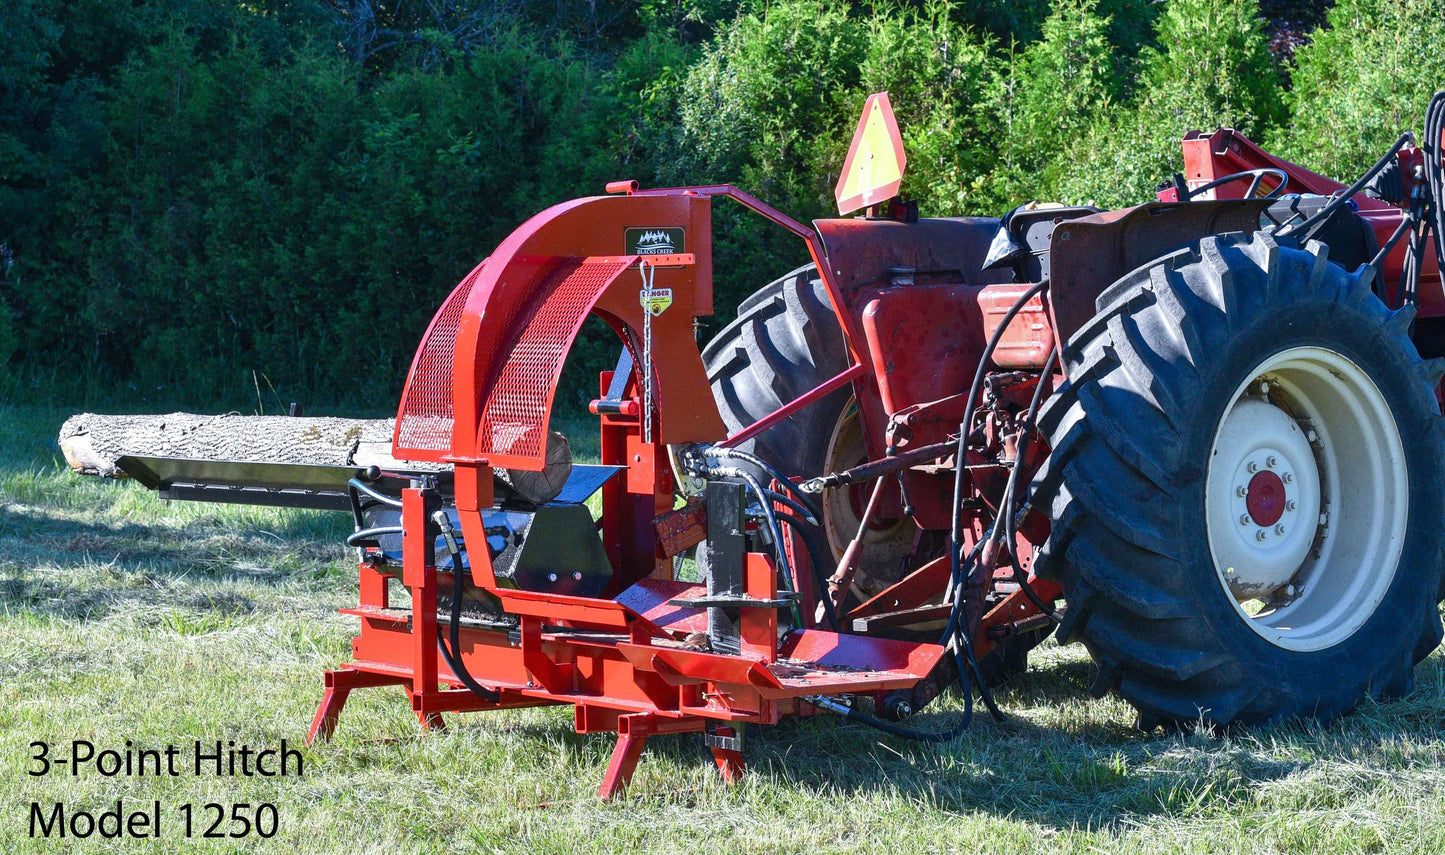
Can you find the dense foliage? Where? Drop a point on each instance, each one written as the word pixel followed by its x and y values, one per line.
pixel 208 197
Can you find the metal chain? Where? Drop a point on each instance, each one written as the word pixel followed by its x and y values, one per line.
pixel 647 271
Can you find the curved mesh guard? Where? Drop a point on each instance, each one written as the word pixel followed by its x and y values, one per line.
pixel 514 417
pixel 426 410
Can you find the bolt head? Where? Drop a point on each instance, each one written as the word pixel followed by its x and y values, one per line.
pixel 1290 590
pixel 551 577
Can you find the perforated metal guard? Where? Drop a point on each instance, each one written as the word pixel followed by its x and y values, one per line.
pixel 426 411
pixel 514 417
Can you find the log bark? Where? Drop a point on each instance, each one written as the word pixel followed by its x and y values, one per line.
pixel 93 445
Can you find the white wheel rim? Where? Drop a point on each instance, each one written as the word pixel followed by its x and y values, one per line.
pixel 1306 499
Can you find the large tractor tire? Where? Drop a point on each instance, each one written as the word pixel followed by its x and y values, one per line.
pixel 1245 488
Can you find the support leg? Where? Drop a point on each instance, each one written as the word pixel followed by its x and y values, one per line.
pixel 632 733
pixel 729 759
pixel 329 710
pixel 431 721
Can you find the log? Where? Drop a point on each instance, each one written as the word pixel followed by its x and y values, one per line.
pixel 93 445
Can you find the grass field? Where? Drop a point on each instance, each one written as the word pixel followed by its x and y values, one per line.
pixel 125 618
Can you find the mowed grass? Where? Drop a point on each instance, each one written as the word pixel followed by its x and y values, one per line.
pixel 126 618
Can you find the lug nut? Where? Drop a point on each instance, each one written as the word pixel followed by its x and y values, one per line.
pixel 1271 461
pixel 1290 590
pixel 1261 534
pixel 1244 519
pixel 1241 491
pixel 1279 529
pixel 1288 477
pixel 1290 505
pixel 1251 466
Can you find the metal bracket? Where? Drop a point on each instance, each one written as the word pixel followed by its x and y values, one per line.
pixel 713 737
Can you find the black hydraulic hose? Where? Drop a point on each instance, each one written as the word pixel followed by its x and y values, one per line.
pixel 966 427
pixel 357 485
pixel 769 517
pixel 897 730
pixel 1313 223
pixel 1378 262
pixel 806 513
pixel 453 656
pixel 1429 211
pixel 956 636
pixel 355 538
pixel 964 640
pixel 777 474
pixel 820 578
pixel 1010 532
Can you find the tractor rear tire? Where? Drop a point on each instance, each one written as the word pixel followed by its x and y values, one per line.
pixel 785 341
pixel 1244 488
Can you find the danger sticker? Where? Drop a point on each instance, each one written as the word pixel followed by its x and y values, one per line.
pixel 656 302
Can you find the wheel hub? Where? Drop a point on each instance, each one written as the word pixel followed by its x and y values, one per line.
pixel 1265 498
pixel 1272 492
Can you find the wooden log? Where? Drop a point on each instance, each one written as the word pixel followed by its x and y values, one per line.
pixel 93 445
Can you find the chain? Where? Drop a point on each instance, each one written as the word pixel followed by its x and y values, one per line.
pixel 647 271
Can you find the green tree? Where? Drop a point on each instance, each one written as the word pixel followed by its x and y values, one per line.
pixel 1372 71
pixel 1212 69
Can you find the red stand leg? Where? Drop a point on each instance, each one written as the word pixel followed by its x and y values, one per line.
pixel 729 760
pixel 431 721
pixel 329 710
pixel 339 684
pixel 632 733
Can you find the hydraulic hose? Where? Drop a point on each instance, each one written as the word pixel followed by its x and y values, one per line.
pixel 820 579
pixel 896 730
pixel 453 656
pixel 1007 511
pixel 777 474
pixel 769 517
pixel 965 428
pixel 1313 223
pixel 781 499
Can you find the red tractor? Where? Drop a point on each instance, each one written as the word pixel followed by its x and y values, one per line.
pixel 1201 436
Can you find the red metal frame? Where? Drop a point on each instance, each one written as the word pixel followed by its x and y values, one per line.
pixel 1225 152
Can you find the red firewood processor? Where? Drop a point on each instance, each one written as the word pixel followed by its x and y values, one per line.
pixel 1201 435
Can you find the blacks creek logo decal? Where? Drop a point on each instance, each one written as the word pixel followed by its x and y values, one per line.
pixel 658 241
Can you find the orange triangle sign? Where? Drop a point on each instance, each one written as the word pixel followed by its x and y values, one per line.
pixel 875 163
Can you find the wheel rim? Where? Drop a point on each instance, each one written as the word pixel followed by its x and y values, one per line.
pixel 1306 499
pixel 885 545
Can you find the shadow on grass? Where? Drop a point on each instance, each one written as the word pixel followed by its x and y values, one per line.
pixel 1101 776
pixel 73 569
